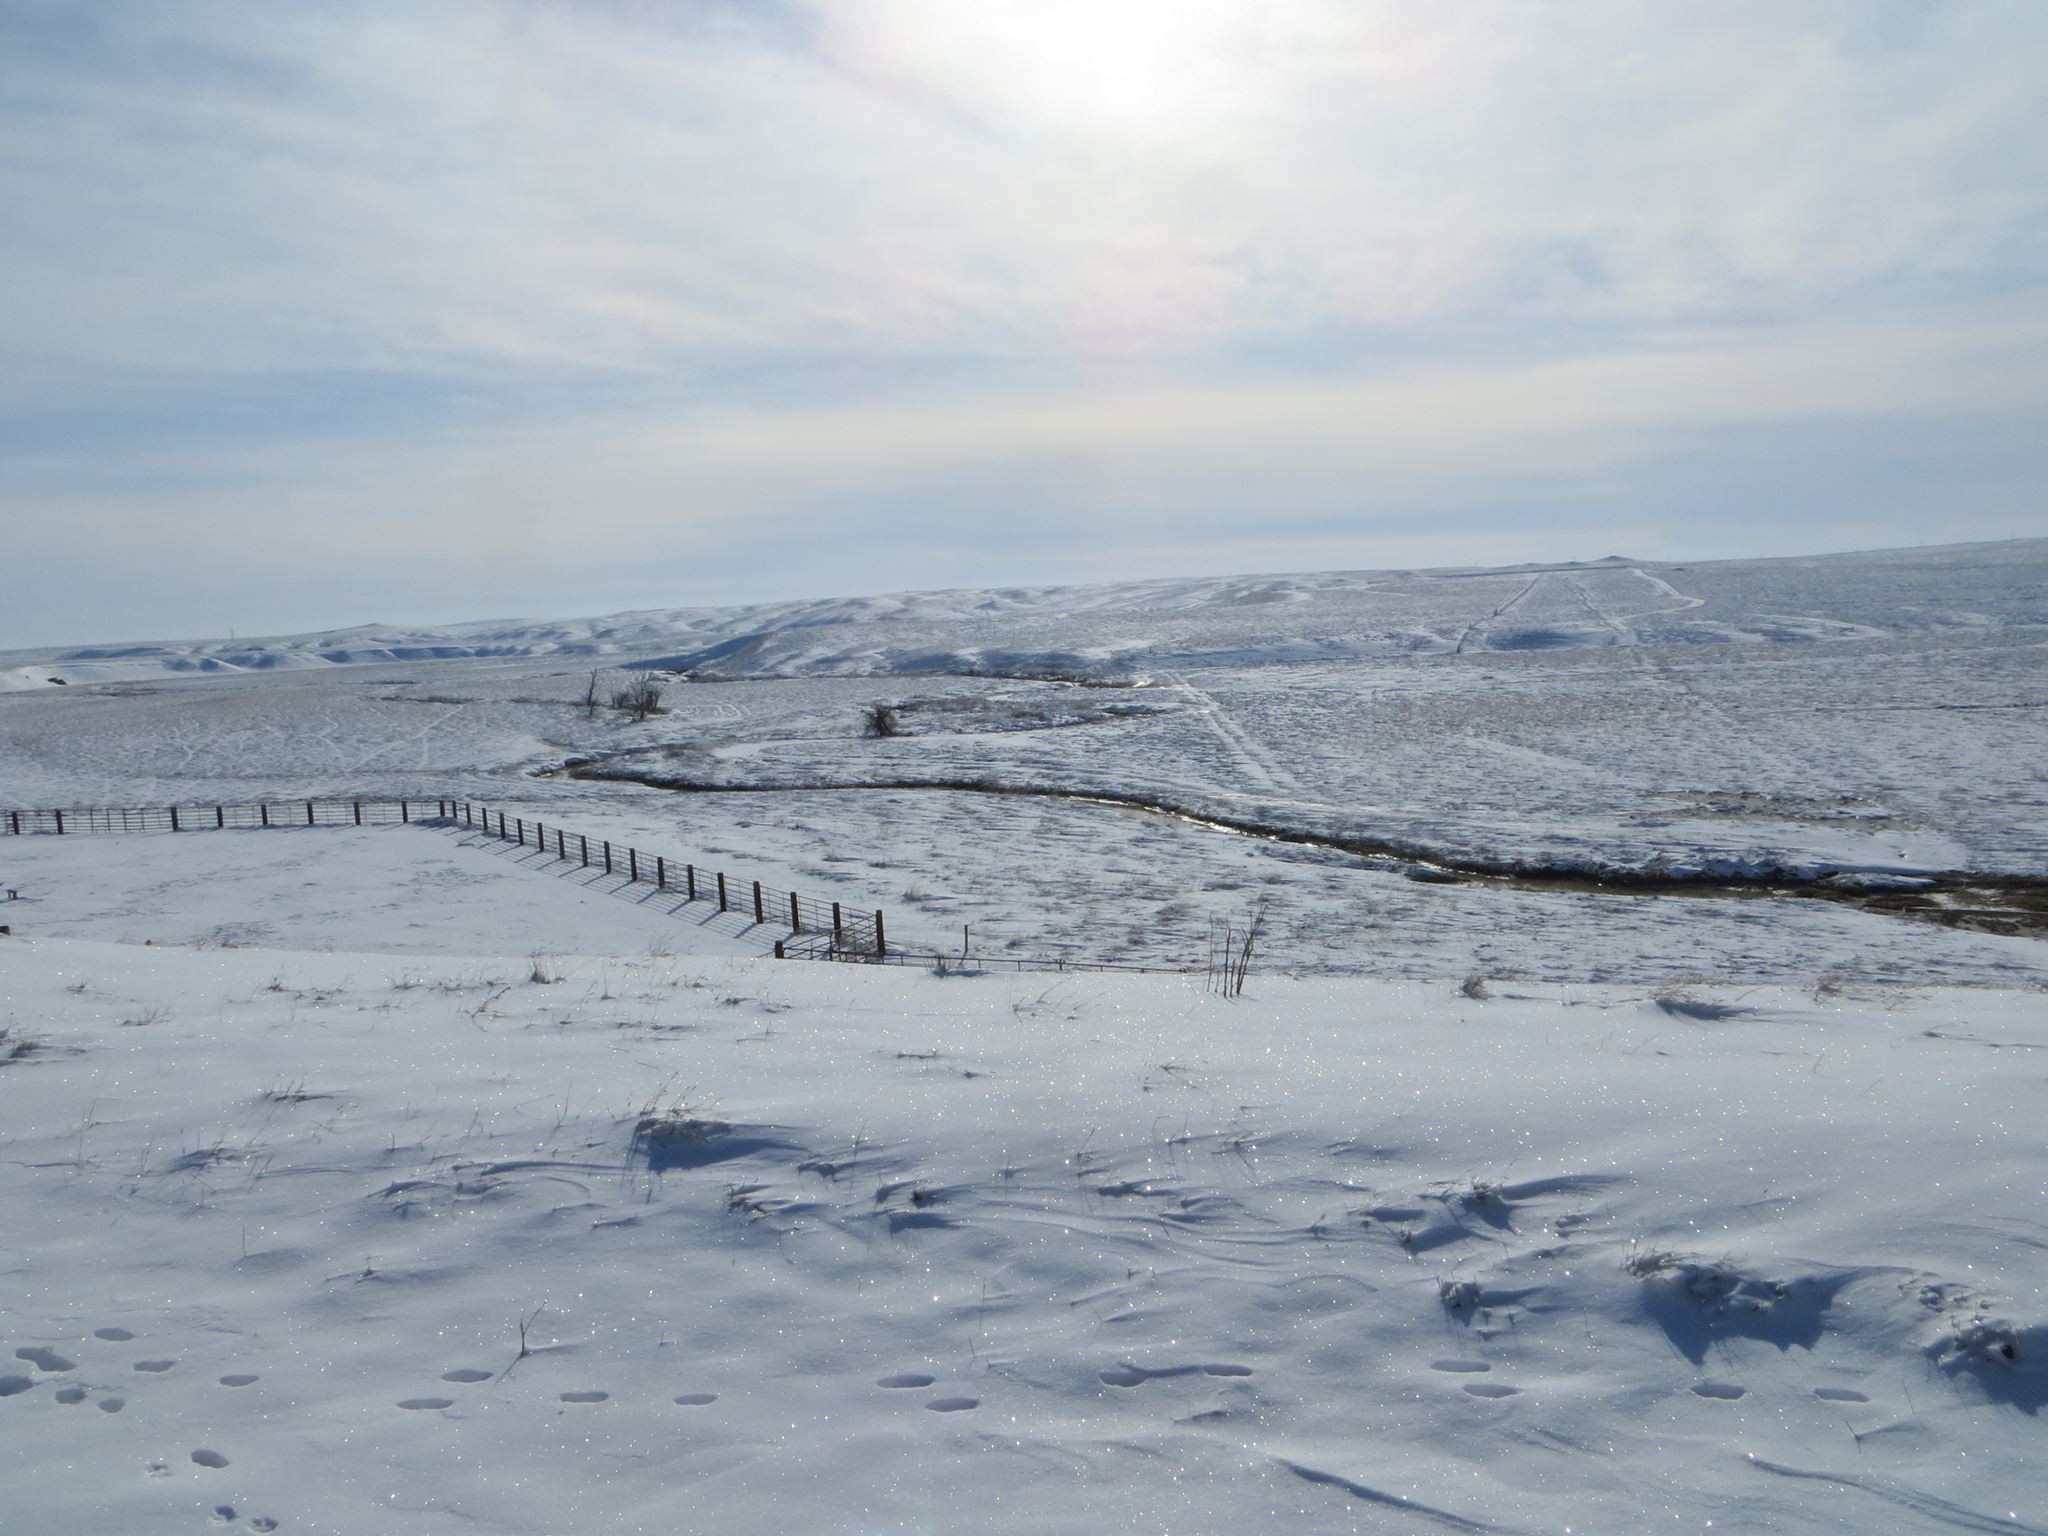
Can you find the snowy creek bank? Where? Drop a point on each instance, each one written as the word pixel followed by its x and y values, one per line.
pixel 2011 905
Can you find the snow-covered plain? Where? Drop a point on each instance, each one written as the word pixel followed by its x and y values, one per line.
pixel 1717 1210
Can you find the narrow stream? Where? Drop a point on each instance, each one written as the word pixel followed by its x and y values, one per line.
pixel 2012 905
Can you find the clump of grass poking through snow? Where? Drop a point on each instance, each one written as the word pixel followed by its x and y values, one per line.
pixel 660 1133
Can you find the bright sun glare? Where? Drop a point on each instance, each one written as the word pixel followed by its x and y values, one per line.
pixel 1133 68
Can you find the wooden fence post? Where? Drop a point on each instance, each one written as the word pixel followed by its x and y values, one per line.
pixel 779 952
pixel 881 940
pixel 690 879
pixel 796 916
pixel 586 849
pixel 263 813
pixel 721 883
pixel 309 813
pixel 561 845
pixel 468 814
pixel 220 816
pixel 15 818
pixel 404 812
pixel 660 873
pixel 838 931
pixel 357 806
pixel 60 823
pixel 759 916
pixel 607 856
pixel 174 820
pixel 633 866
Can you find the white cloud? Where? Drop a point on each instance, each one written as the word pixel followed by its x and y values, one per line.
pixel 661 274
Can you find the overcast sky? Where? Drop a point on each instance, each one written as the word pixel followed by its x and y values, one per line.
pixel 312 315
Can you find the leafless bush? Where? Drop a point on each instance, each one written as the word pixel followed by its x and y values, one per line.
pixel 1230 951
pixel 881 720
pixel 639 698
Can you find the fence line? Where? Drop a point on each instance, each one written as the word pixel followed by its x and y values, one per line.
pixel 820 930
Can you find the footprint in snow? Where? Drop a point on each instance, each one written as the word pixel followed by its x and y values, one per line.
pixel 1839 1395
pixel 206 1458
pixel 71 1394
pixel 585 1397
pixel 906 1379
pixel 466 1374
pixel 113 1335
pixel 1719 1391
pixel 953 1404
pixel 154 1367
pixel 1474 1367
pixel 44 1359
pixel 14 1386
pixel 697 1399
pixel 111 1404
pixel 1491 1389
pixel 238 1379
pixel 425 1404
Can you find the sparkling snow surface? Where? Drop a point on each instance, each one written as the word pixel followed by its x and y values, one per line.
pixel 1679 1213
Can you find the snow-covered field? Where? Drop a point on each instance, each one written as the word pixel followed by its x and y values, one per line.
pixel 1711 1209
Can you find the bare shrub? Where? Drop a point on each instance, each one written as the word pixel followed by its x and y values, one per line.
pixel 883 720
pixel 639 698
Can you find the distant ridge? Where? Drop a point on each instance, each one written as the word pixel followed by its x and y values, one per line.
pixel 1093 630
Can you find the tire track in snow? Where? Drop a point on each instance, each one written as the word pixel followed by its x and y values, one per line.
pixel 1600 615
pixel 1251 756
pixel 1478 627
pixel 1668 590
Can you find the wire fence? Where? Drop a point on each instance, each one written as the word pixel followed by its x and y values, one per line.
pixel 820 930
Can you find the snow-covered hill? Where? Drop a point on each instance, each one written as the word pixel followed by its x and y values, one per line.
pixel 1197 622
